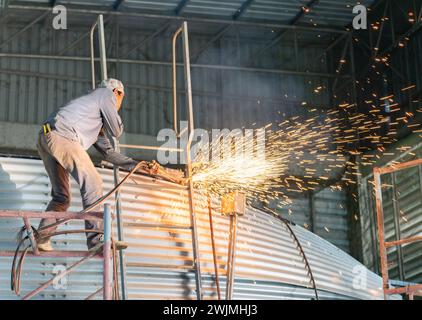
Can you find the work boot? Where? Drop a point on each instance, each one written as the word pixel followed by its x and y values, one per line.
pixel 46 246
pixel 120 245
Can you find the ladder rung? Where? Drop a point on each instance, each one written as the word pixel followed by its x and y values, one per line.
pixel 54 254
pixel 148 225
pixel 403 241
pixel 161 266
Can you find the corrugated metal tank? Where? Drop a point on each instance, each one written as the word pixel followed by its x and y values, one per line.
pixel 325 214
pixel 268 266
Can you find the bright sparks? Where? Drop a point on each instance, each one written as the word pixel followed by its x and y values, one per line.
pixel 300 155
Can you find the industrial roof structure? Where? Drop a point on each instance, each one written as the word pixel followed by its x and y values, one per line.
pixel 335 13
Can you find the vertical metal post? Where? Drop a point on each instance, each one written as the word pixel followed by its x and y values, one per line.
pixel 91 38
pixel 381 234
pixel 101 36
pixel 420 179
pixel 231 257
pixel 107 271
pixel 214 254
pixel 188 85
pixel 373 228
pixel 393 33
pixel 229 262
pixel 31 236
pixel 104 75
pixel 118 206
pixel 296 49
pixel 377 48
pixel 396 213
pixel 354 91
pixel 312 210
pixel 340 64
pixel 174 73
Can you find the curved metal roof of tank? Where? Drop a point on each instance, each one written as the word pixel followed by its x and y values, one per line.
pixel 269 264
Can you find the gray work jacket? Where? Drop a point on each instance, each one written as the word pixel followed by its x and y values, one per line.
pixel 89 120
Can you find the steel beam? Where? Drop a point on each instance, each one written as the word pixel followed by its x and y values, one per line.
pixel 341 63
pixel 5 6
pixel 302 11
pixel 376 50
pixel 80 39
pixel 239 12
pixel 146 87
pixel 222 31
pixel 117 4
pixel 217 36
pixel 415 28
pixel 147 39
pixel 292 22
pixel 169 64
pixel 180 6
pixel 331 46
pixel 408 34
pixel 396 213
pixel 72 9
pixel 18 33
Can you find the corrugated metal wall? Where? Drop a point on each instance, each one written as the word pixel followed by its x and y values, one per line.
pixel 32 88
pixel 402 205
pixel 268 266
pixel 326 214
pixel 331 217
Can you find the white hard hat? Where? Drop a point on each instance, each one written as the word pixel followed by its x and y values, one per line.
pixel 112 84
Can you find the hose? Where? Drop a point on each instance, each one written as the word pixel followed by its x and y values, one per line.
pixel 287 223
pixel 102 199
pixel 302 252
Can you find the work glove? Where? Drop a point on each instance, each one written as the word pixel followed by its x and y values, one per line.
pixel 154 169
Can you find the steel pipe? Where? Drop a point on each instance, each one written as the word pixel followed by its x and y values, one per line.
pixel 107 272
pixel 169 64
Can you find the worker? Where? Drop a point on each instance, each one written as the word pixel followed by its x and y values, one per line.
pixel 62 143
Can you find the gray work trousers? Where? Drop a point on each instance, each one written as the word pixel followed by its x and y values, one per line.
pixel 62 157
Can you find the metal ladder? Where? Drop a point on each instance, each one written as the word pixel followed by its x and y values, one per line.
pixel 183 31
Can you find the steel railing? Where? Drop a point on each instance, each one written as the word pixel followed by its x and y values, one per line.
pixel 85 255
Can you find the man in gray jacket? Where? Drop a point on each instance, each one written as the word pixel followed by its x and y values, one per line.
pixel 62 144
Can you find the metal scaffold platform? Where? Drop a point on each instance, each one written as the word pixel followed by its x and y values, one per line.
pixel 103 252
